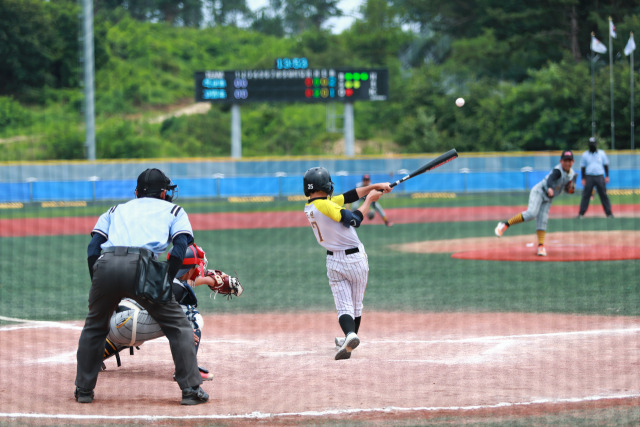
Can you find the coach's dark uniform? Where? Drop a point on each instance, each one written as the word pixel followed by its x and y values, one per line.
pixel 127 234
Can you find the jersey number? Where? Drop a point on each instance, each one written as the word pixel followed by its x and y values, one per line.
pixel 315 225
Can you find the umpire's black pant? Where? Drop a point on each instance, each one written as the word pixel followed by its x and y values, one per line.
pixel 598 182
pixel 114 278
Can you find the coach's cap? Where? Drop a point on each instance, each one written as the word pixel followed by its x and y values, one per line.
pixel 366 176
pixel 566 155
pixel 152 181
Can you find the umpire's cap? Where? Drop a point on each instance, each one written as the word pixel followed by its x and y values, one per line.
pixel 152 182
pixel 566 155
pixel 317 179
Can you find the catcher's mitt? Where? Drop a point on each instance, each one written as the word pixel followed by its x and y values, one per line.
pixel 224 284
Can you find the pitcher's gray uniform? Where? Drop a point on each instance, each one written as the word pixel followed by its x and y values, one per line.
pixel 540 202
pixel 561 178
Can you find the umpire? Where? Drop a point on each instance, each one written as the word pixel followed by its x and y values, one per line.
pixel 594 165
pixel 129 235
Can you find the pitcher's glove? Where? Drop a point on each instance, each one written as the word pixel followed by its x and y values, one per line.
pixel 570 187
pixel 224 284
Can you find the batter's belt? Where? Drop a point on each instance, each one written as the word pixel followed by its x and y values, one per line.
pixel 346 252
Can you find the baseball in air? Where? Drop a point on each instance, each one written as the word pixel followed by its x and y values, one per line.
pixel 460 102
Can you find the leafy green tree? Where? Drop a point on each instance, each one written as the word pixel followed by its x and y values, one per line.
pixel 229 12
pixel 377 38
pixel 533 33
pixel 39 45
pixel 301 15
pixel 12 114
pixel 186 13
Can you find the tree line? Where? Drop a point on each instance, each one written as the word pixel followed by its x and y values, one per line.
pixel 523 68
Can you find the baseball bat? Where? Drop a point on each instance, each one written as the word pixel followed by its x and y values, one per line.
pixel 435 163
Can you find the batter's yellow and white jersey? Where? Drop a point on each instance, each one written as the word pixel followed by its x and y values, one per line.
pixel 324 216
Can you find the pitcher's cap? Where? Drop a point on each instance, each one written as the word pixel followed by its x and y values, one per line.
pixel 566 155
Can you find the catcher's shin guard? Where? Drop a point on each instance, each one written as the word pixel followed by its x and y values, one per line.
pixel 111 349
pixel 197 335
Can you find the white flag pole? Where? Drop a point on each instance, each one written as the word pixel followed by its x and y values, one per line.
pixel 593 89
pixel 613 126
pixel 631 90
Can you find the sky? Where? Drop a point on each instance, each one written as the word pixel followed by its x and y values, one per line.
pixel 349 9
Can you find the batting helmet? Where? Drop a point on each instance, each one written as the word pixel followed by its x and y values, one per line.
pixel 152 182
pixel 317 179
pixel 193 257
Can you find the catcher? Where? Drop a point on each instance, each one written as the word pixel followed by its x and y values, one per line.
pixel 561 178
pixel 131 325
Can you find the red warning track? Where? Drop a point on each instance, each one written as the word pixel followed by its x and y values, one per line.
pixel 232 220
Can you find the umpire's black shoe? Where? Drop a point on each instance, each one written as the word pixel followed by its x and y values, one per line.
pixel 83 395
pixel 194 396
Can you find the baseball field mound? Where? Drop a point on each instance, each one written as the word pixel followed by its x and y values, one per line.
pixel 612 245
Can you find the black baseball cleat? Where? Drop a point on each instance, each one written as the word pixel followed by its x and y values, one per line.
pixel 194 396
pixel 83 395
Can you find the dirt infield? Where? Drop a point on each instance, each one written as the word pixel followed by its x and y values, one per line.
pixel 279 368
pixel 613 245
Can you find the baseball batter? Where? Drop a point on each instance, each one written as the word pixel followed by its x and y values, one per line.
pixel 347 264
pixel 561 178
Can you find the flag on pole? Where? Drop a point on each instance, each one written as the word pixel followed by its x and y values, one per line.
pixel 597 46
pixel 631 45
pixel 612 29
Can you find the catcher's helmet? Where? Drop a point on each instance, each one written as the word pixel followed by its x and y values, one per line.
pixel 152 182
pixel 317 179
pixel 193 257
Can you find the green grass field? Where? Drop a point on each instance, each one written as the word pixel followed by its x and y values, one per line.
pixel 46 278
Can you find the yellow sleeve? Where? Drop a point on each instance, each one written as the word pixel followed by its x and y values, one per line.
pixel 338 200
pixel 329 208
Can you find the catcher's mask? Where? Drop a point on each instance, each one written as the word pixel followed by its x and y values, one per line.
pixel 193 257
pixel 152 182
pixel 317 179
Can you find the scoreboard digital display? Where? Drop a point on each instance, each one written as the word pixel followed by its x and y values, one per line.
pixel 307 85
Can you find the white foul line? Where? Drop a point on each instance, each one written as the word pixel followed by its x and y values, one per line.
pixel 262 415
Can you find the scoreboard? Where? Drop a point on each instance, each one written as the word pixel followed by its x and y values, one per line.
pixel 292 85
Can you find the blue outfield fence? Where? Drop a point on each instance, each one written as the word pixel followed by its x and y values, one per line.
pixel 86 181
pixel 457 182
